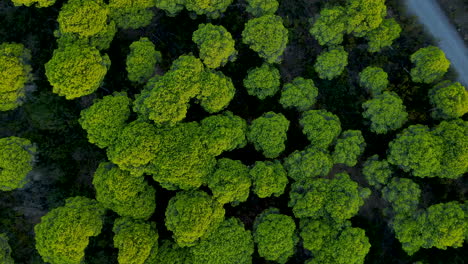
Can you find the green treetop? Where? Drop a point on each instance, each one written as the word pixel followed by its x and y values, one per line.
pixel 349 147
pixel 230 243
pixel 123 193
pixel 105 119
pixel 182 161
pixel 259 8
pixel 377 172
pixel 230 182
pixel 217 91
pixel 430 65
pixel 386 112
pixel 309 163
pixel 364 15
pixel 299 94
pixel 83 17
pixel 215 44
pixel 417 150
pixel 331 63
pixel 330 26
pixel 403 195
pixel 100 40
pixel 131 14
pixel 76 70
pixel 141 61
pixel 320 127
pixel 384 35
pixel 223 132
pixel 136 240
pixel 268 134
pixel 192 215
pixel 275 235
pixel 5 250
pixel 170 253
pixel 269 178
pixel 267 36
pixel 14 74
pixel 317 234
pixel 339 198
pixel 374 80
pixel 212 9
pixel 135 147
pixel 63 233
pixel 450 100
pixel 16 161
pixel 35 3
pixel 171 7
pixel 262 81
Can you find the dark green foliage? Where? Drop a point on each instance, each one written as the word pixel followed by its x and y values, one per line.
pixel 212 9
pixel 299 94
pixel 386 112
pixel 172 7
pixel 216 91
pixel 349 146
pixel 123 193
pixel 430 64
pixel 5 250
pixel 330 26
pixel 267 36
pixel 191 215
pixel 384 35
pixel 230 182
pixel 16 161
pixel 320 127
pixel 268 134
pixel 275 235
pixel 450 100
pixel 230 243
pixel 170 253
pixel 374 79
pixel 377 172
pixel 308 163
pixel 331 63
pixel 403 195
pixel 259 8
pixel 141 61
pixel 105 119
pixel 262 81
pixel 131 14
pixel 269 178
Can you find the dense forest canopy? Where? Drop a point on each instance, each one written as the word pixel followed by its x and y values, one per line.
pixel 228 131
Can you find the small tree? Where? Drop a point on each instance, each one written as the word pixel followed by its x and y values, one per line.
pixel 5 250
pixel 403 195
pixel 83 17
pixel 321 127
pixel 386 112
pixel 450 100
pixel 299 94
pixel 377 172
pixel 364 15
pixel 307 164
pixel 269 178
pixel 331 63
pixel 268 134
pixel 330 26
pixel 260 8
pixel 349 147
pixel 374 79
pixel 216 91
pixel 16 161
pixel 384 35
pixel 262 81
pixel 141 61
pixel 267 36
pixel 131 14
pixel 430 64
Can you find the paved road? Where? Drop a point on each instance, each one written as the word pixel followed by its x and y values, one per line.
pixel 437 23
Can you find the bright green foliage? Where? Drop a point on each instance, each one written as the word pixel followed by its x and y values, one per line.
pixel 374 79
pixel 384 35
pixel 331 63
pixel 63 233
pixel 170 253
pixel 83 17
pixel 230 243
pixel 135 147
pixel 35 3
pixel 192 215
pixel 259 8
pixel 16 161
pixel 262 81
pixel 172 7
pixel 330 26
pixel 230 182
pixel 105 119
pixel 377 172
pixel 320 127
pixel 268 134
pixel 409 231
pixel 275 235
pixel 386 112
pixel 123 193
pixel 349 147
pixel 135 239
pixel 417 150
pixel 450 100
pixel 430 64
pixel 403 194
pixel 364 15
pixel 267 36
pixel 100 40
pixel 76 70
pixel 224 132
pixel 269 178
pixel 338 198
pixel 131 14
pixel 5 250
pixel 14 74
pixel 212 9
pixel 216 92
pixel 307 164
pixel 216 45
pixel 182 161
pixel 299 94
pixel 165 99
pixel 141 61
pixel 317 234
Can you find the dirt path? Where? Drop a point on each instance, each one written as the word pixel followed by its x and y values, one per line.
pixel 437 24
